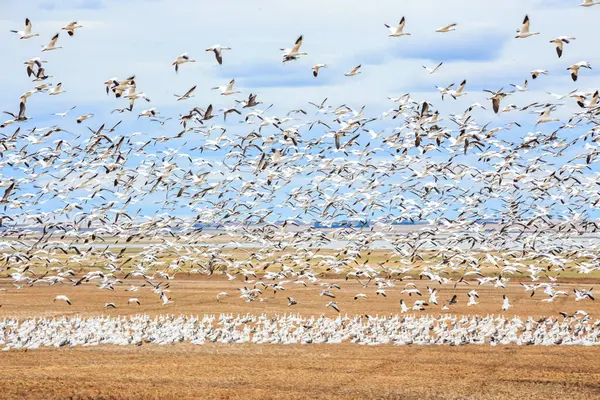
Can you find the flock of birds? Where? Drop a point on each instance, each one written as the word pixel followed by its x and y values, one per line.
pixel 289 329
pixel 302 198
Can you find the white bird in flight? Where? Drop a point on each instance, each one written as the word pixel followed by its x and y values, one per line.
pixel 447 28
pixel 26 34
pixel 397 30
pixel 524 32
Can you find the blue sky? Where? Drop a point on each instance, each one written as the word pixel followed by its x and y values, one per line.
pixel 143 37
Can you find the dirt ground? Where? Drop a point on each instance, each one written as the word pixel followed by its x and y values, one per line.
pixel 346 371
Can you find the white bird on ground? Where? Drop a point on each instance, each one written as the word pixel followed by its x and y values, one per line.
pixel 433 70
pixel 182 59
pixel 559 41
pixel 447 28
pixel 524 32
pixel 228 89
pixel 71 26
pixel 26 34
pixel 217 49
pixel 397 30
pixel 505 304
pixel 355 71
pixel 52 45
pixel 64 298
pixel 574 69
pixel 315 69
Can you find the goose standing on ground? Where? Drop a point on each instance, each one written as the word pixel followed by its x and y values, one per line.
pixel 355 71
pixel 559 41
pixel 227 90
pixel 315 69
pixel 447 28
pixel 26 34
pixel 182 59
pixel 505 303
pixel 574 69
pixel 397 31
pixel 524 32
pixel 293 53
pixel 217 49
pixel 71 26
pixel 433 70
pixel 52 45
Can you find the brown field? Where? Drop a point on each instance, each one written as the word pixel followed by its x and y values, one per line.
pixel 292 372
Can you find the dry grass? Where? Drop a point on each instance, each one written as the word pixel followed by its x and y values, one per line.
pixel 344 371
pixel 302 372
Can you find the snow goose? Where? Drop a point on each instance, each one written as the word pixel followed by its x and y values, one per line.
pixel 524 32
pixel 187 94
pixel 505 304
pixel 397 30
pixel 71 26
pixel 57 89
pixel 433 70
pixel 134 300
pixel 459 92
pixel 447 28
pixel 559 41
pixel 545 116
pixel 52 45
pixel 294 52
pixel 228 89
pixel 64 298
pixel 291 301
pixel 315 69
pixel 537 72
pixel 84 117
pixel 355 71
pixel 589 3
pixel 31 63
pixel 182 59
pixel 574 69
pixel 520 88
pixel 217 49
pixel 26 34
